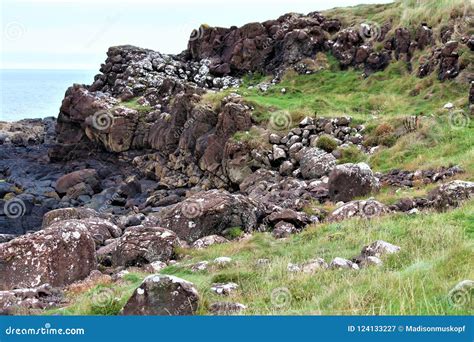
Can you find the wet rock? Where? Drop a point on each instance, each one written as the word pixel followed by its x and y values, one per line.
pixel 348 181
pixel 163 295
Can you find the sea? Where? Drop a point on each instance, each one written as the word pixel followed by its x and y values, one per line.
pixel 30 93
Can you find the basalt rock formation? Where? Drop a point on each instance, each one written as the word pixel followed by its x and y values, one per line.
pixel 141 163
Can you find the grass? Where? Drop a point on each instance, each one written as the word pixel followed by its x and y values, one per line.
pixel 385 97
pixel 437 251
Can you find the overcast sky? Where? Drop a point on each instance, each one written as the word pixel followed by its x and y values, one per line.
pixel 75 34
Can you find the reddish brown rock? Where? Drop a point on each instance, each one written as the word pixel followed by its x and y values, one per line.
pixel 57 255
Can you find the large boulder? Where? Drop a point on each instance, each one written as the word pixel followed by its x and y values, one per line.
pixel 348 181
pixel 210 212
pixel 25 301
pixel 163 295
pixel 68 214
pixel 316 163
pixel 365 209
pixel 100 229
pixel 143 245
pixel 57 255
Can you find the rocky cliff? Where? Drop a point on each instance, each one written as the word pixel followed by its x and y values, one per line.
pixel 165 152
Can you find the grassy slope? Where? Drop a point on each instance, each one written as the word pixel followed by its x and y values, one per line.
pixel 437 249
pixel 437 252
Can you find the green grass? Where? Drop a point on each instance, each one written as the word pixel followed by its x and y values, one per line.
pixel 437 251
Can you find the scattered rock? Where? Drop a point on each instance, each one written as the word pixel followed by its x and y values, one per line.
pixel 208 241
pixel 347 181
pixel 340 263
pixel 365 209
pixel 222 261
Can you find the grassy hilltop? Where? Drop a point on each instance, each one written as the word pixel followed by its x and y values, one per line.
pixel 437 248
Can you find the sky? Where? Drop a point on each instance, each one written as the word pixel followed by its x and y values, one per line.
pixel 75 34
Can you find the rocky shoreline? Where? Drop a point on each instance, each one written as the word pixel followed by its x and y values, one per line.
pixel 138 164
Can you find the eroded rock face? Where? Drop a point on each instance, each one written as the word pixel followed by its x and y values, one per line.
pixel 163 295
pixel 57 255
pixel 210 212
pixel 143 245
pixel 348 181
pixel 365 209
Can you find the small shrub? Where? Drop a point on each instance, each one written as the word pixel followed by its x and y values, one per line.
pixel 326 143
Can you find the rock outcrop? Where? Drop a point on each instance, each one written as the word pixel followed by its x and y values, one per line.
pixel 163 295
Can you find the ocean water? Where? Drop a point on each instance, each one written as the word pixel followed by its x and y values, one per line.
pixel 31 93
